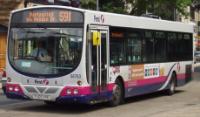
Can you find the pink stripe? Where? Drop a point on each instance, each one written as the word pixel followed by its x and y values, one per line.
pixel 83 90
pixel 110 86
pixel 143 82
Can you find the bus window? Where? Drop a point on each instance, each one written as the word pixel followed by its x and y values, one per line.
pixel 117 52
pixel 148 47
pixel 117 46
pixel 187 43
pixel 160 46
pixel 134 47
pixel 172 46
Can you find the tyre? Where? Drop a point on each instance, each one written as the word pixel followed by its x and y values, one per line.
pixel 117 94
pixel 172 85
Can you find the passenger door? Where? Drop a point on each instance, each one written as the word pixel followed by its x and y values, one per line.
pixel 99 58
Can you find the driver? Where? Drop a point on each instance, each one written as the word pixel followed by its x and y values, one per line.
pixel 40 53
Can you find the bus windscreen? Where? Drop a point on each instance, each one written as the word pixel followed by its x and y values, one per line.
pixel 51 48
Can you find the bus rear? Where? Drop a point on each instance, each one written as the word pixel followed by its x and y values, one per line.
pixel 44 62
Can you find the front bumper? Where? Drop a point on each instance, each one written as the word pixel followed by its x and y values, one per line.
pixel 14 91
pixel 85 99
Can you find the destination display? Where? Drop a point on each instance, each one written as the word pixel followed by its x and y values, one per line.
pixel 47 16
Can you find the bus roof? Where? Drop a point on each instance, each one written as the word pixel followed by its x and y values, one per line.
pixel 113 19
pixel 129 21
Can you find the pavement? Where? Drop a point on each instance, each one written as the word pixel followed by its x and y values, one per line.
pixel 191 111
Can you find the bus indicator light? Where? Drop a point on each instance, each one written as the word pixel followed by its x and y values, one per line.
pixel 16 89
pixel 75 91
pixel 10 88
pixel 69 92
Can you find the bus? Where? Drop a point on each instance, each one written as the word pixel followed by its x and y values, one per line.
pixel 62 54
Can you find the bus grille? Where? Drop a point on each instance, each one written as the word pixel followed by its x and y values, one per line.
pixel 31 89
pixel 40 90
pixel 51 90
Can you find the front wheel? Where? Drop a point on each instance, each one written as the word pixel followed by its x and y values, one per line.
pixel 117 95
pixel 172 85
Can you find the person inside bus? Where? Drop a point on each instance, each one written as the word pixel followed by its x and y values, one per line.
pixel 40 52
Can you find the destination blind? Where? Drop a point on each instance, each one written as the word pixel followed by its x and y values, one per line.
pixel 47 15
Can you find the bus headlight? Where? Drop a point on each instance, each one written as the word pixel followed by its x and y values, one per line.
pixel 10 88
pixel 16 89
pixel 75 91
pixel 69 92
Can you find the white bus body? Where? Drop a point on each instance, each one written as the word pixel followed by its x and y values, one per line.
pixel 99 70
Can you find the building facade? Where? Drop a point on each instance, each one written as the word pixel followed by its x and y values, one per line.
pixel 195 17
pixel 6 6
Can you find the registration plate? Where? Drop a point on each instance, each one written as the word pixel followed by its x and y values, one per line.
pixel 41 97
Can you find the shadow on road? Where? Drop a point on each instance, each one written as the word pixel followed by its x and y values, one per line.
pixel 149 96
pixel 80 108
pixel 196 74
pixel 61 109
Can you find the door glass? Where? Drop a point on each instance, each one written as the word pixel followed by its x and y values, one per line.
pixel 99 64
pixel 103 61
pixel 94 67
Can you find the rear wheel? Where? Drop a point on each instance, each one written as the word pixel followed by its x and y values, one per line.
pixel 117 95
pixel 172 85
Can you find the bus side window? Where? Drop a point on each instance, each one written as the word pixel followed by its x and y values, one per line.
pixel 148 51
pixel 134 47
pixel 117 52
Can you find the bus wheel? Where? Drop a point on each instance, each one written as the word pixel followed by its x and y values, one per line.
pixel 117 94
pixel 172 85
